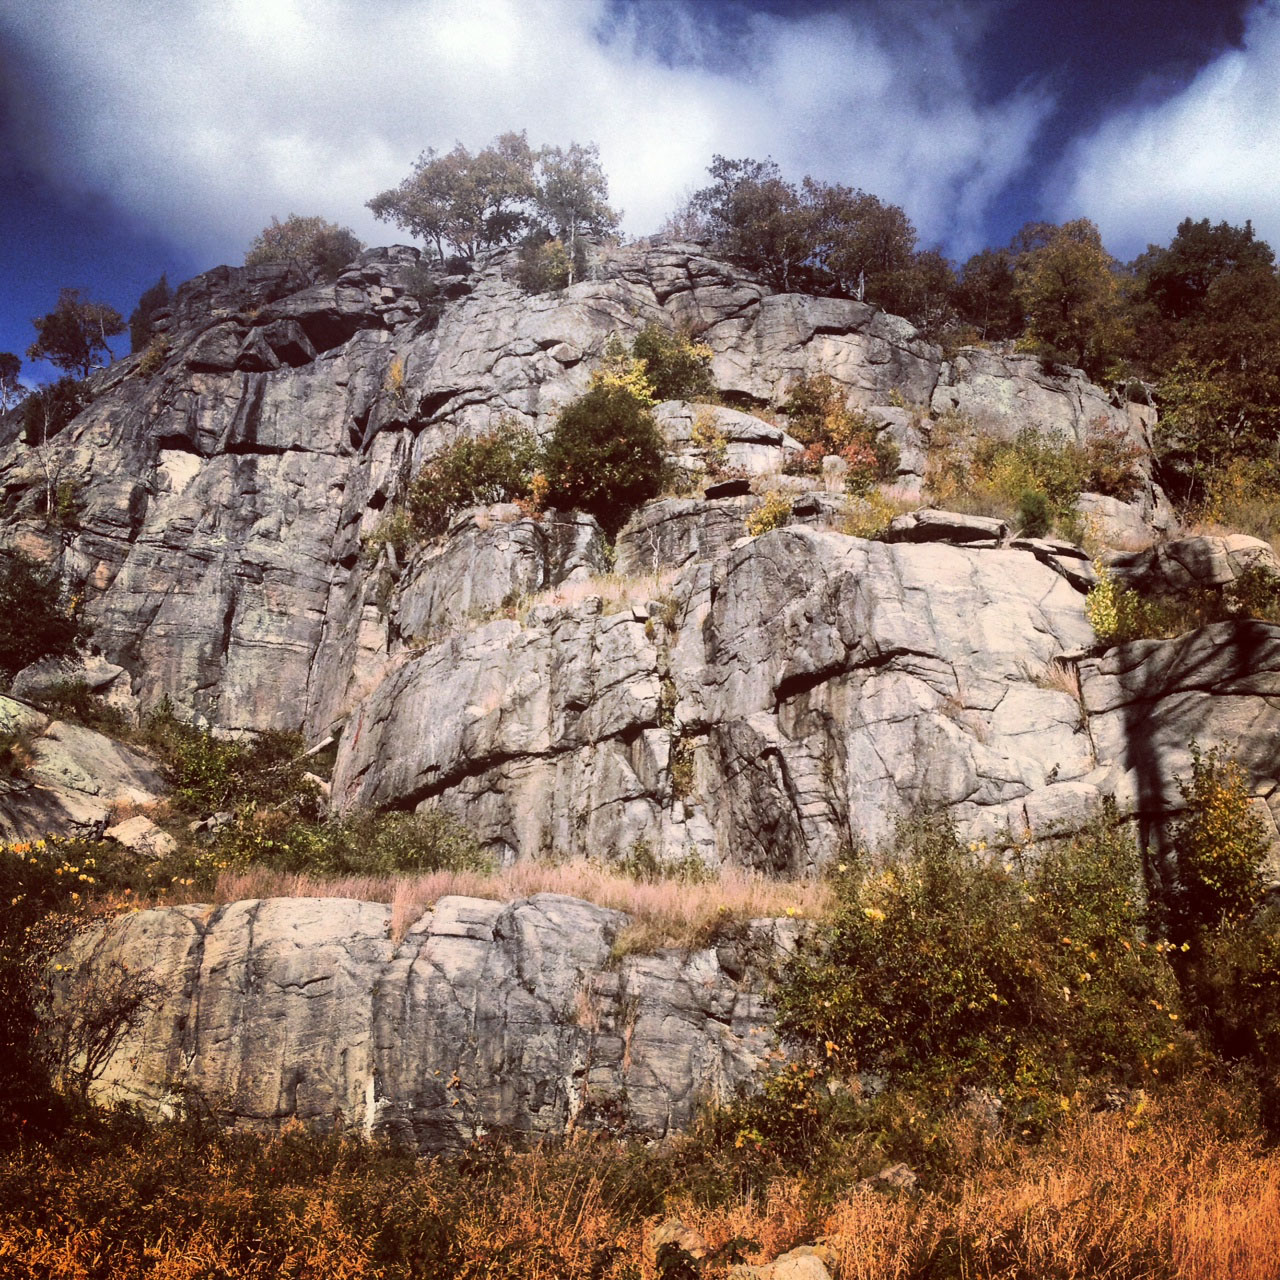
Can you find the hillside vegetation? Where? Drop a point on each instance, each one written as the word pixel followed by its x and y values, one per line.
pixel 1050 1053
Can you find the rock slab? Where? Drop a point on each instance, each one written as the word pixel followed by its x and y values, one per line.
pixel 484 1014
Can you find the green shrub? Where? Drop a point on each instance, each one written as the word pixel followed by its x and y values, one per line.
pixel 1120 614
pixel 1219 845
pixel 394 530
pixel 497 467
pixel 154 356
pixel 605 456
pixel 1111 460
pixel 969 469
pixel 642 863
pixel 773 513
pixel 424 283
pixel 1035 518
pixel 1234 977
pixel 1255 593
pixel 678 367
pixel 364 843
pixel 45 886
pixel 543 265
pixel 944 968
pixel 34 623
pixel 15 752
pixel 72 699
pixel 210 774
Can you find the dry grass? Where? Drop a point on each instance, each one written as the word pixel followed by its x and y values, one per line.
pixel 1162 1193
pixel 664 913
pixel 1172 1189
pixel 616 591
pixel 1061 677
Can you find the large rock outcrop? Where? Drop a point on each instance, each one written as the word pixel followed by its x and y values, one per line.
pixel 484 1014
pixel 820 683
pixel 225 482
pixel 764 702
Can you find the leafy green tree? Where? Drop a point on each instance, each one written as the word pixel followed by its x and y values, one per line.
pixel 317 248
pixel 1069 290
pixel 821 236
pixel 10 387
pixel 1206 312
pixel 467 202
pixel 140 322
pixel 46 411
pixel 863 243
pixel 73 336
pixel 605 456
pixel 755 216
pixel 1177 280
pixel 922 290
pixel 985 296
pixel 572 197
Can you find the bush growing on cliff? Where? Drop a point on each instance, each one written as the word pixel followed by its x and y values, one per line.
pixel 496 467
pixel 822 421
pixel 208 773
pixel 317 248
pixel 363 843
pixel 34 621
pixel 1119 614
pixel 969 469
pixel 677 367
pixel 605 456
pixel 1220 846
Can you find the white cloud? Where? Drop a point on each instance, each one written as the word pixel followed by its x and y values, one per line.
pixel 202 118
pixel 1210 151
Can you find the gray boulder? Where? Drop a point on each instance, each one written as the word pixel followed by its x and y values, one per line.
pixel 73 778
pixel 1183 564
pixel 484 1014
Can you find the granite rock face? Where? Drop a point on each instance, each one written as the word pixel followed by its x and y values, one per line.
pixel 223 497
pixel 762 702
pixel 73 780
pixel 1148 701
pixel 484 1014
pixel 1002 391
pixel 817 685
pixel 1181 565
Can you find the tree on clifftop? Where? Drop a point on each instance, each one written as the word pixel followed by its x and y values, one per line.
pixel 140 321
pixel 1069 291
pixel 822 237
pixel 10 387
pixel 572 196
pixel 73 336
pixel 468 202
pixel 317 248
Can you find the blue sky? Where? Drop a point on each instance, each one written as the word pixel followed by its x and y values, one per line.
pixel 141 136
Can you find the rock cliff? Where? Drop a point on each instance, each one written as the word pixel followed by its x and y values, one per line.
pixel 763 702
pixel 484 1014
